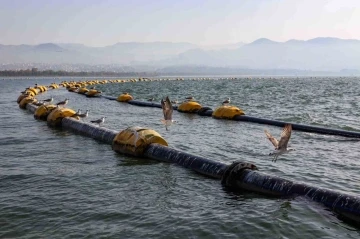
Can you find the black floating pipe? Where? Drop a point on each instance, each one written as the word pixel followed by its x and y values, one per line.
pixel 146 104
pixel 243 178
pixel 345 204
pixel 205 111
pixel 299 127
pixel 31 107
pixel 199 164
pixel 90 130
pixel 109 97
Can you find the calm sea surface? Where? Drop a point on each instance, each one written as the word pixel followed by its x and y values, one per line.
pixel 57 184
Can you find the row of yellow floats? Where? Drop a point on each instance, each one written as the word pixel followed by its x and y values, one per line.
pixel 131 141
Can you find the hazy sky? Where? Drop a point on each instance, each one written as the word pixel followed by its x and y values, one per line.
pixel 205 22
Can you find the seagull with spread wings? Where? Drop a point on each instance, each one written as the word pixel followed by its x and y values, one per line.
pixel 281 145
pixel 168 111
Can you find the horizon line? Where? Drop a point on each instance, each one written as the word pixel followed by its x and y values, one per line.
pixel 182 42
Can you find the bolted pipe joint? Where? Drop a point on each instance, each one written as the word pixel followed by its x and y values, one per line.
pixel 233 172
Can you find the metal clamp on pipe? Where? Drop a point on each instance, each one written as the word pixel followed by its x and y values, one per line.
pixel 234 171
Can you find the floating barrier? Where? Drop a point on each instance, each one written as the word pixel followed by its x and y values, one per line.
pixel 237 114
pixel 236 176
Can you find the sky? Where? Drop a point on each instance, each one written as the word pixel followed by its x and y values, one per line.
pixel 202 22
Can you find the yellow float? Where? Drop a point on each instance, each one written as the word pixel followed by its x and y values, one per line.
pixel 125 97
pixel 227 112
pixel 57 114
pixel 189 107
pixel 26 100
pixel 43 111
pixel 134 140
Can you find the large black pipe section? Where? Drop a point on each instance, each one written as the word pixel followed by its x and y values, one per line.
pixel 299 127
pixel 145 104
pixel 241 176
pixel 31 107
pixel 199 164
pixel 344 204
pixel 90 130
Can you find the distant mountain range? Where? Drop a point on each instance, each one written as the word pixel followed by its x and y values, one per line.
pixel 318 54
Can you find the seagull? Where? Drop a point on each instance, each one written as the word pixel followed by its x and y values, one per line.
pixel 99 121
pixel 48 100
pixel 174 102
pixel 167 110
pixel 280 146
pixel 151 99
pixel 63 103
pixel 189 98
pixel 86 114
pixel 39 103
pixel 227 101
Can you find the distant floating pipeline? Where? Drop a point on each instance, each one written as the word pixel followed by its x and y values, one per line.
pixel 234 113
pixel 143 142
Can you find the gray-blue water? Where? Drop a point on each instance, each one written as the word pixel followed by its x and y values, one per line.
pixel 57 184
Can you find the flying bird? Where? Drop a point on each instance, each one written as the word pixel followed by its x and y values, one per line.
pixel 63 103
pixel 280 146
pixel 227 101
pixel 167 110
pixel 99 121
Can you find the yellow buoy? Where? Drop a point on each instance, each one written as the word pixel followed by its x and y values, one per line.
pixel 35 91
pixel 57 114
pixel 72 89
pixel 22 96
pixel 125 97
pixel 25 101
pixel 83 90
pixel 189 107
pixel 227 112
pixel 55 86
pixel 134 140
pixel 93 92
pixel 43 111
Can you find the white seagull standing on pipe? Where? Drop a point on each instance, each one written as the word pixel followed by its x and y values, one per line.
pixel 99 121
pixel 63 103
pixel 168 111
pixel 280 146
